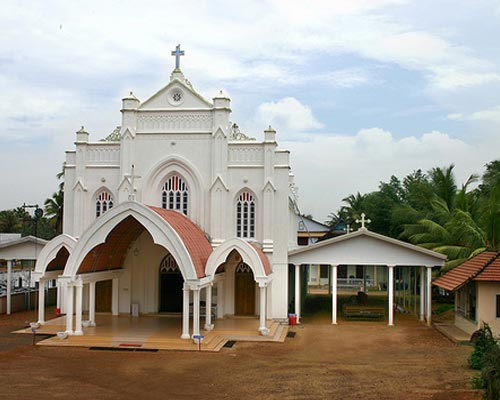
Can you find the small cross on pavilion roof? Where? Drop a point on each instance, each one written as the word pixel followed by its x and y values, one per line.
pixel 178 53
pixel 363 221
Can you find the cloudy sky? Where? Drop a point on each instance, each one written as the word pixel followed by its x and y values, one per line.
pixel 358 90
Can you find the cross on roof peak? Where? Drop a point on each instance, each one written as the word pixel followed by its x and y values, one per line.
pixel 363 221
pixel 178 53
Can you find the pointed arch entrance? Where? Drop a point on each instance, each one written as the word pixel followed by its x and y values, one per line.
pixel 244 290
pixel 171 284
pixel 125 245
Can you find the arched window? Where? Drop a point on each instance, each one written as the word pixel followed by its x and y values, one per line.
pixel 103 202
pixel 245 216
pixel 168 265
pixel 175 194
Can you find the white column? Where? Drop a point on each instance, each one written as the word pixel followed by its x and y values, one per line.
pixel 78 307
pixel 69 308
pixel 114 298
pixel 208 308
pixel 185 313
pixel 64 294
pixel 196 312
pixel 429 295
pixel 9 288
pixel 220 299
pixel 334 294
pixel 390 286
pixel 297 292
pixel 422 293
pixel 92 303
pixel 262 310
pixel 41 301
pixel 58 294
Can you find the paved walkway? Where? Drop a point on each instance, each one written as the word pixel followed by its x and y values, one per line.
pixel 156 332
pixel 455 334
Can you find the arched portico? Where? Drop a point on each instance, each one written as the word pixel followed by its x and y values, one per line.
pixel 245 255
pixel 100 253
pixel 50 265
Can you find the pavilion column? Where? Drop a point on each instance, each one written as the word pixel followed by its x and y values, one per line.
pixel 429 295
pixel 421 312
pixel 114 296
pixel 262 309
pixel 196 312
pixel 41 302
pixel 185 313
pixel 69 308
pixel 92 303
pixel 220 299
pixel 390 287
pixel 297 292
pixel 9 286
pixel 208 308
pixel 78 307
pixel 334 293
pixel 58 294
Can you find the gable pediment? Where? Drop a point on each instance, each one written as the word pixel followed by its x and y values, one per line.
pixel 177 95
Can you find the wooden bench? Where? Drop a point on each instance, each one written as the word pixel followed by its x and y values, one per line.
pixel 363 312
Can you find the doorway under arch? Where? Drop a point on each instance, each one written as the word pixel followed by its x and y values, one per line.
pixel 244 290
pixel 171 284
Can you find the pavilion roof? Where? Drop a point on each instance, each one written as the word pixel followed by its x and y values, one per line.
pixel 483 267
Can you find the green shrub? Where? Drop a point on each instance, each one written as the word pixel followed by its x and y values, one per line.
pixel 483 342
pixel 490 374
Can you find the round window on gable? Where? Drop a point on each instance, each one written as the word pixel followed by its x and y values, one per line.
pixel 176 97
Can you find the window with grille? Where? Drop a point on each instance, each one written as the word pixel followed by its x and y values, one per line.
pixel 245 216
pixel 168 265
pixel 103 202
pixel 175 195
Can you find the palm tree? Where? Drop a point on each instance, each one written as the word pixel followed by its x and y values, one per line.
pixel 54 210
pixel 10 222
pixel 54 205
pixel 354 207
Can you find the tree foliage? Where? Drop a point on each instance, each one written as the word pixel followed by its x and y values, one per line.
pixel 432 210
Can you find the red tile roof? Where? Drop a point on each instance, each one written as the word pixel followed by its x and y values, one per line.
pixel 111 253
pixel 264 259
pixel 492 271
pixel 194 239
pixel 484 266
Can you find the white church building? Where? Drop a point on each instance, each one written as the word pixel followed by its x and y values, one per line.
pixel 180 212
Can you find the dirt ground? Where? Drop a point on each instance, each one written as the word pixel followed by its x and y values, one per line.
pixel 354 360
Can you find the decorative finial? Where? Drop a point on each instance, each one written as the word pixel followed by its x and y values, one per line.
pixel 363 221
pixel 178 53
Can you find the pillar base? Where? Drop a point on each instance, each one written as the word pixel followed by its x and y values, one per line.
pixel 185 336
pixel 69 332
pixel 264 331
pixel 209 327
pixel 78 333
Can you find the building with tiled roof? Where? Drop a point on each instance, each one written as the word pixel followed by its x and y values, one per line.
pixel 476 285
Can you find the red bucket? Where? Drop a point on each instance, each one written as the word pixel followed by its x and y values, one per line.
pixel 292 319
pixel 57 312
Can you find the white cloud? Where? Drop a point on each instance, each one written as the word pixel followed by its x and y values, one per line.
pixel 339 165
pixel 491 115
pixel 455 116
pixel 288 116
pixel 488 115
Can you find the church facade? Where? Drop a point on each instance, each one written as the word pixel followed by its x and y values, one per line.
pixel 176 212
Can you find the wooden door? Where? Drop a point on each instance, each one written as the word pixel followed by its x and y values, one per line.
pixel 244 291
pixel 103 296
